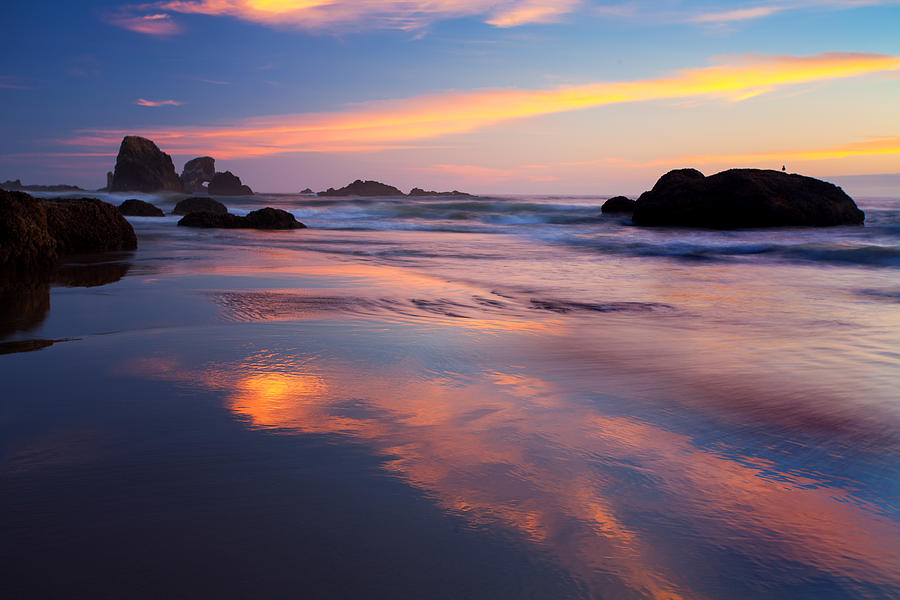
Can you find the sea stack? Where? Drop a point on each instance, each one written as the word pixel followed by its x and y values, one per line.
pixel 363 188
pixel 744 198
pixel 196 172
pixel 228 184
pixel 142 167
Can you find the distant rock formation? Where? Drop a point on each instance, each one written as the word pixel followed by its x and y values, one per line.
pixel 198 171
pixel 744 198
pixel 307 191
pixel 15 185
pixel 139 208
pixel 109 181
pixel 142 167
pixel 417 192
pixel 364 188
pixel 618 204
pixel 193 205
pixel 264 218
pixel 228 184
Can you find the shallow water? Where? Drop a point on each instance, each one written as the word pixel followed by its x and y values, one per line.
pixel 492 398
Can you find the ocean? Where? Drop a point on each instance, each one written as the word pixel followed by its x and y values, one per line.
pixel 510 397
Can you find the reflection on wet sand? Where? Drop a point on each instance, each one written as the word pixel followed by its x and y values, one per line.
pixel 505 447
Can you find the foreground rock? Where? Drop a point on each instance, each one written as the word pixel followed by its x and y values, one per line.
pixel 199 204
pixel 264 218
pixel 419 192
pixel 142 167
pixel 139 208
pixel 228 184
pixel 25 241
pixel 364 188
pixel 35 233
pixel 618 204
pixel 196 172
pixel 87 225
pixel 743 198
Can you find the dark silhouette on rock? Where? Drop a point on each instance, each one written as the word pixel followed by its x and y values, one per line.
pixel 228 184
pixel 26 244
pixel 307 191
pixel 419 192
pixel 139 208
pixel 618 204
pixel 364 188
pixel 744 198
pixel 87 225
pixel 142 167
pixel 17 185
pixel 198 171
pixel 199 204
pixel 264 218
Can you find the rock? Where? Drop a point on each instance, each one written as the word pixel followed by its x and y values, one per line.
pixel 109 181
pixel 17 185
pixel 618 204
pixel 743 198
pixel 228 184
pixel 142 167
pixel 198 171
pixel 364 188
pixel 264 218
pixel 416 192
pixel 87 225
pixel 139 208
pixel 199 204
pixel 26 244
pixel 307 191
pixel 273 218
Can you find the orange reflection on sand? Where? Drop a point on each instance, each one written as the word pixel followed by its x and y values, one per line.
pixel 507 448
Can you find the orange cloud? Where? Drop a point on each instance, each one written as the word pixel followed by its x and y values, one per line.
pixel 875 146
pixel 386 124
pixel 386 14
pixel 143 102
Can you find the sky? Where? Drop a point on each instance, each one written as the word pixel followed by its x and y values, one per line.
pixel 487 96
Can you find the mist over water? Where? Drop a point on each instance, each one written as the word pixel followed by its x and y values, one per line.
pixel 463 397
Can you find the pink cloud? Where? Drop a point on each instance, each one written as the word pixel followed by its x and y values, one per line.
pixel 151 24
pixel 144 102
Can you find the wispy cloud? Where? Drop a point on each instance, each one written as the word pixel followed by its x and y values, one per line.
pixel 387 124
pixel 154 23
pixel 768 9
pixel 327 15
pixel 8 83
pixel 154 103
pixel 871 147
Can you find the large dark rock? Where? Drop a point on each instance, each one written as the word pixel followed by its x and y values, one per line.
pixel 742 198
pixel 26 244
pixel 199 204
pixel 198 171
pixel 87 225
pixel 618 204
pixel 139 208
pixel 419 192
pixel 364 188
pixel 142 167
pixel 228 184
pixel 264 218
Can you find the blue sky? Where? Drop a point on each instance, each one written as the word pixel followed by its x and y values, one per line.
pixel 73 75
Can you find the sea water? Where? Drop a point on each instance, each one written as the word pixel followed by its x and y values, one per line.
pixel 458 397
